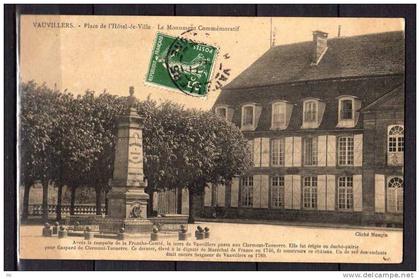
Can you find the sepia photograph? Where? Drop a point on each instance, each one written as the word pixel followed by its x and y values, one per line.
pixel 234 139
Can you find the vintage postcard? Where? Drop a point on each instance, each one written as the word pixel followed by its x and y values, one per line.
pixel 211 138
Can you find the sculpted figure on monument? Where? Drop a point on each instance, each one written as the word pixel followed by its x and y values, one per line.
pixel 131 100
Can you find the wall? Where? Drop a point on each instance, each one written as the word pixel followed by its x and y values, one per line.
pixel 374 144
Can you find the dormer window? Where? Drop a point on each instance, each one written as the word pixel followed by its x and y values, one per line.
pixel 348 113
pixel 250 116
pixel 221 112
pixel 309 111
pixel 313 110
pixel 281 112
pixel 224 111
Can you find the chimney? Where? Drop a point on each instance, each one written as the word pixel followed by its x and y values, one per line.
pixel 320 46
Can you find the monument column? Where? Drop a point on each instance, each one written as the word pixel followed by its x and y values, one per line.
pixel 127 199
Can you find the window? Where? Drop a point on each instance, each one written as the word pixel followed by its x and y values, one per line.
pixel 313 111
pixel 310 192
pixel 345 193
pixel 310 151
pixel 346 111
pixel 246 185
pixel 345 151
pixel 396 145
pixel 310 111
pixel 277 191
pixel 278 118
pixel 251 150
pixel 395 195
pixel 248 115
pixel 277 152
pixel 221 112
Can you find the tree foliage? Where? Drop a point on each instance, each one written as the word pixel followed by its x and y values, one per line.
pixel 70 140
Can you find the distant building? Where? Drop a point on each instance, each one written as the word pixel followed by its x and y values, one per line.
pixel 324 121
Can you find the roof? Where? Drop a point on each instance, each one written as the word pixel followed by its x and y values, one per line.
pixel 393 99
pixel 358 56
pixel 367 90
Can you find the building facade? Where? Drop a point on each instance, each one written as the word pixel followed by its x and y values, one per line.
pixel 174 201
pixel 324 120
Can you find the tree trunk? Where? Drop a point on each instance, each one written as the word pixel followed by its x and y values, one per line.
pixel 190 207
pixel 25 206
pixel 106 203
pixel 72 200
pixel 45 201
pixel 98 191
pixel 59 199
pixel 178 200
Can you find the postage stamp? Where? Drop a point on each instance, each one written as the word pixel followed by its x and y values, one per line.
pixel 181 64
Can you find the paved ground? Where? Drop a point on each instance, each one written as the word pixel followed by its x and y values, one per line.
pixel 385 245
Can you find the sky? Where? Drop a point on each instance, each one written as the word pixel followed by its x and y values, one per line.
pixel 113 59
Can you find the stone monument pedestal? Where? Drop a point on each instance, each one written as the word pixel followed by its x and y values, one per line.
pixel 127 209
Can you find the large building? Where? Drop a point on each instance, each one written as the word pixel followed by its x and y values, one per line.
pixel 325 124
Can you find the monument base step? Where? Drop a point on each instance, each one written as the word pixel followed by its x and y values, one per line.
pixel 114 225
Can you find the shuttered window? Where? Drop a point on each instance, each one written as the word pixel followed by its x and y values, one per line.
pixel 279 115
pixel 310 192
pixel 379 193
pixel 345 151
pixel 277 191
pixel 234 192
pixel 395 195
pixel 221 195
pixel 246 188
pixel 310 154
pixel 345 193
pixel 207 196
pixel 251 150
pixel 214 195
pixel 277 152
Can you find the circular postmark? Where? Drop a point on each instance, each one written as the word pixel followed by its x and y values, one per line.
pixel 189 64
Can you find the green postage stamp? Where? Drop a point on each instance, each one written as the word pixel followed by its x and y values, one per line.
pixel 181 64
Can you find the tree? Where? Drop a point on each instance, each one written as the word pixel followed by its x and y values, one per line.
pixel 105 110
pixel 58 144
pixel 191 148
pixel 37 121
pixel 79 144
pixel 219 150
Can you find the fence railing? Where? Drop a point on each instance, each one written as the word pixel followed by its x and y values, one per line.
pixel 79 209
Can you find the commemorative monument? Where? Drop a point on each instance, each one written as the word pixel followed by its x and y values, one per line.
pixel 127 206
pixel 127 199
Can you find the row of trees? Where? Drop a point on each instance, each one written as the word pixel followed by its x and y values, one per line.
pixel 69 140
